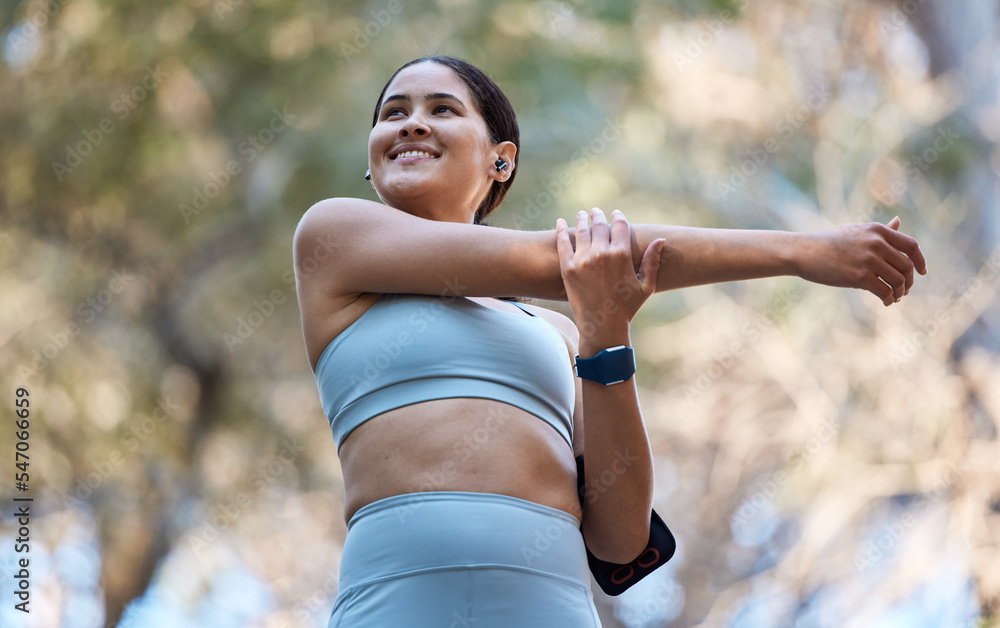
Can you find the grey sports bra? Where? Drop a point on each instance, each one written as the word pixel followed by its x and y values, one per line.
pixel 408 348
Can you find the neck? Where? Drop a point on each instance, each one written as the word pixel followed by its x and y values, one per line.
pixel 434 207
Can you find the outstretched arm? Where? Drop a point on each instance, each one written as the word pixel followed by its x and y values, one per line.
pixel 872 257
pixel 345 246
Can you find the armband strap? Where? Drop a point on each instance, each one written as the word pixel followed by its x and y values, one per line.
pixel 615 578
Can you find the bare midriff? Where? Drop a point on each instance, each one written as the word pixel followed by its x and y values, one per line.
pixel 459 444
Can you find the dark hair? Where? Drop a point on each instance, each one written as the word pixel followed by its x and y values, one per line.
pixel 492 104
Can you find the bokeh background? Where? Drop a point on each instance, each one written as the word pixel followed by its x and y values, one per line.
pixel 822 459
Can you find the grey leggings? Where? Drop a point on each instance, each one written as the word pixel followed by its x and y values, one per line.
pixel 452 559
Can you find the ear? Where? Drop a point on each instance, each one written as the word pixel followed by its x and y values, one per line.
pixel 504 151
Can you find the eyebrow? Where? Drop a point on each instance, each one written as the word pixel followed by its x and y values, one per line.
pixel 434 96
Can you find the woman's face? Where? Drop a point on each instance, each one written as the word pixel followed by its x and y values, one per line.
pixel 430 153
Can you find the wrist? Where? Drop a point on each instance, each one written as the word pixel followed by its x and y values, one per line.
pixel 592 345
pixel 798 250
pixel 612 365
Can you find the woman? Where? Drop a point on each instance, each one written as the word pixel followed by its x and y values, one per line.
pixel 457 416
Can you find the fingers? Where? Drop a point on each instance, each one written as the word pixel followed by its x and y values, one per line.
pixel 895 280
pixel 880 289
pixel 893 224
pixel 601 238
pixel 906 244
pixel 621 235
pixel 902 264
pixel 563 246
pixel 582 231
pixel 600 234
pixel 650 266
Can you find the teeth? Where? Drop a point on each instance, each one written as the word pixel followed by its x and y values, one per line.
pixel 414 153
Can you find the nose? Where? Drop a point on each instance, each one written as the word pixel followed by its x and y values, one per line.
pixel 414 125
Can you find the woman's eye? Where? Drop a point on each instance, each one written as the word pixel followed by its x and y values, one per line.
pixel 441 108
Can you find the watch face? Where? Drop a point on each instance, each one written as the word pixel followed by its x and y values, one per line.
pixel 620 361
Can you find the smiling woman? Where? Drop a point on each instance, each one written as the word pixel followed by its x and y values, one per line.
pixel 464 92
pixel 416 361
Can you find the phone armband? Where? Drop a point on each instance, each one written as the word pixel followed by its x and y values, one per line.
pixel 615 579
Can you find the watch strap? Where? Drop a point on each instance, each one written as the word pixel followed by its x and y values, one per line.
pixel 609 366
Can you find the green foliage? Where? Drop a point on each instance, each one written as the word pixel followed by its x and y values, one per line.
pixel 179 143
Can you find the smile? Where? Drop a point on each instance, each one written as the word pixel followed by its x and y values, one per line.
pixel 414 153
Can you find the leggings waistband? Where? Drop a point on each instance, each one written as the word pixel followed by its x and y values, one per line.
pixel 445 530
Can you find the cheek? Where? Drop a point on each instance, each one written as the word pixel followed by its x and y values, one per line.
pixel 373 145
pixel 476 153
pixel 379 140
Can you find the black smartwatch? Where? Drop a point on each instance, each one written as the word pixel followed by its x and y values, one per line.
pixel 610 366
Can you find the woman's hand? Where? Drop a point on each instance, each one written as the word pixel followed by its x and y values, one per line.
pixel 873 257
pixel 602 286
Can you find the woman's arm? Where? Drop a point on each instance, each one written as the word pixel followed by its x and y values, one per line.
pixel 872 257
pixel 346 245
pixel 605 292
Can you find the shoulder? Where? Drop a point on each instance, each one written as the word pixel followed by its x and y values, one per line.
pixel 332 209
pixel 320 215
pixel 329 226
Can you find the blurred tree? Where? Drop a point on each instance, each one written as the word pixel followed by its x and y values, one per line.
pixel 157 157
